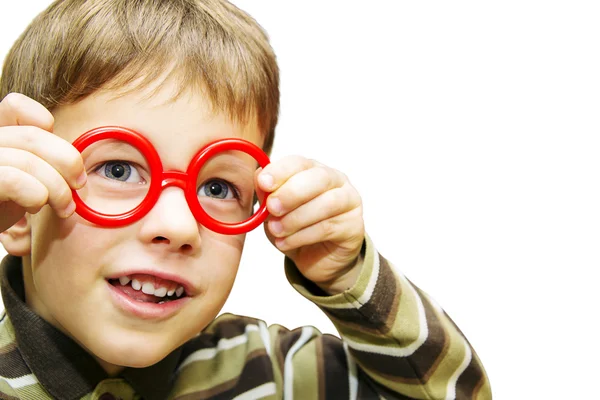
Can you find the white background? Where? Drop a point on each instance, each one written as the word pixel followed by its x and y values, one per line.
pixel 471 130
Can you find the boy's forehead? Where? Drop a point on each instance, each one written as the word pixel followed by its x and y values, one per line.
pixel 160 112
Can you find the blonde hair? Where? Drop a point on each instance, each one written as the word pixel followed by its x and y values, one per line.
pixel 76 47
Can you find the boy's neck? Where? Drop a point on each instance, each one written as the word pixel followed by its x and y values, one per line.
pixel 111 369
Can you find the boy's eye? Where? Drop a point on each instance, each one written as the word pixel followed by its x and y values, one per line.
pixel 217 189
pixel 121 171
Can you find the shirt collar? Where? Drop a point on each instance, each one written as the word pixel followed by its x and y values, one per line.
pixel 63 367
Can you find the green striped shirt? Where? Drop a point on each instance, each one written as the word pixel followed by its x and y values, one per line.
pixel 396 344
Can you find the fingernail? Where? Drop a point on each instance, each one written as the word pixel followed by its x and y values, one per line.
pixel 276 227
pixel 81 180
pixel 274 205
pixel 67 212
pixel 266 181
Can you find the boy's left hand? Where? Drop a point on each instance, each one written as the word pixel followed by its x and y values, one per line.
pixel 316 220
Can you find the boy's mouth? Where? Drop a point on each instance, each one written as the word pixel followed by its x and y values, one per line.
pixel 149 289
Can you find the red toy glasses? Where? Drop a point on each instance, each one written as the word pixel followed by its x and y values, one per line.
pixel 126 178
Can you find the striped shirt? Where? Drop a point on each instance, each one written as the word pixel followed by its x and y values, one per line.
pixel 396 344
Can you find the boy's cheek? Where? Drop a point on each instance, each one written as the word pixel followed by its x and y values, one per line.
pixel 48 229
pixel 70 258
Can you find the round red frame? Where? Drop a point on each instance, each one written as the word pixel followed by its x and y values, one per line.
pixel 184 180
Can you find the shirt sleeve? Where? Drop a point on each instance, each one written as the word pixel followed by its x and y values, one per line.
pixel 397 343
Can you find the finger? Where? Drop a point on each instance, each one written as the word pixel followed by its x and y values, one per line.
pixel 328 205
pixel 59 195
pixel 57 152
pixel 10 214
pixel 260 193
pixel 345 227
pixel 18 109
pixel 303 187
pixel 278 172
pixel 22 188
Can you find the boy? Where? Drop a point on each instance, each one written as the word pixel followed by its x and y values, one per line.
pixel 86 311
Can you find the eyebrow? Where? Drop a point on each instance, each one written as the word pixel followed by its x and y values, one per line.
pixel 231 163
pixel 113 145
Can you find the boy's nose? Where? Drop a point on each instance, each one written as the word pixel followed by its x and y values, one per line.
pixel 170 223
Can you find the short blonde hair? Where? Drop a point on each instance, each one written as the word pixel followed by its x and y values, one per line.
pixel 76 47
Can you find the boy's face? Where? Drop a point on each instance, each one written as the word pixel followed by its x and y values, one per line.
pixel 71 277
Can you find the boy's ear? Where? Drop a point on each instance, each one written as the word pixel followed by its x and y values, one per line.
pixel 17 239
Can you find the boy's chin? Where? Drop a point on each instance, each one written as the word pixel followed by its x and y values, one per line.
pixel 135 361
pixel 116 354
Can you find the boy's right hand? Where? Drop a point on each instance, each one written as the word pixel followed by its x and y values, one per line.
pixel 36 166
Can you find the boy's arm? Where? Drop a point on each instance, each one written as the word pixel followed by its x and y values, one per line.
pixel 396 341
pixel 394 333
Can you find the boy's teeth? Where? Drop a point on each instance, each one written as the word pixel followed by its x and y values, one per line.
pixel 148 288
pixel 136 285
